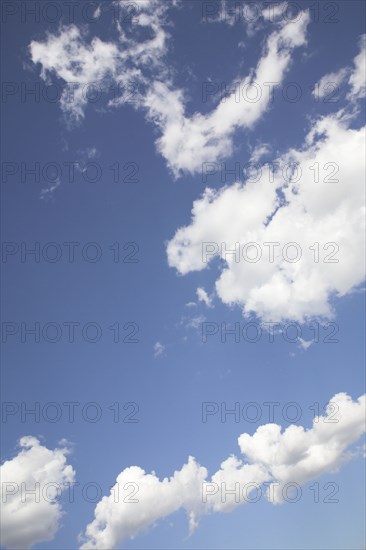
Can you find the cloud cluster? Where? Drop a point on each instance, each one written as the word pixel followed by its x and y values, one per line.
pixel 89 67
pixel 269 456
pixel 31 517
pixel 77 63
pixel 301 455
pixel 186 141
pixel 310 195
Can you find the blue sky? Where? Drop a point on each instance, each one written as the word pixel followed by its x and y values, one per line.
pixel 164 140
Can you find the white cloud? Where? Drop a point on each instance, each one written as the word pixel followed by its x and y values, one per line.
pixel 204 297
pixel 48 192
pixel 195 322
pixel 78 64
pixel 252 15
pixel 92 153
pixel 301 455
pixel 305 344
pixel 115 521
pixel 357 79
pixel 270 456
pixel 329 84
pixel 275 11
pixel 272 210
pixel 186 141
pixel 261 150
pixel 89 67
pixel 159 349
pixel 24 521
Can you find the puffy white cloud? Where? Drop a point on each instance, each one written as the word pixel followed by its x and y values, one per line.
pixel 271 457
pixel 299 455
pixel 118 517
pixel 322 202
pixel 30 518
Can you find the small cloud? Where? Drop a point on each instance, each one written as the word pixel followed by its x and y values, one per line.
pixel 329 84
pixel 66 445
pixel 47 194
pixel 159 349
pixel 196 322
pixel 259 152
pixel 305 344
pixel 92 153
pixel 191 304
pixel 204 297
pixel 86 155
pixel 97 13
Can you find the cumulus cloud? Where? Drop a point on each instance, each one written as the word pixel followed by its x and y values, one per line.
pixel 27 519
pixel 300 455
pixel 311 195
pixel 115 521
pixel 270 456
